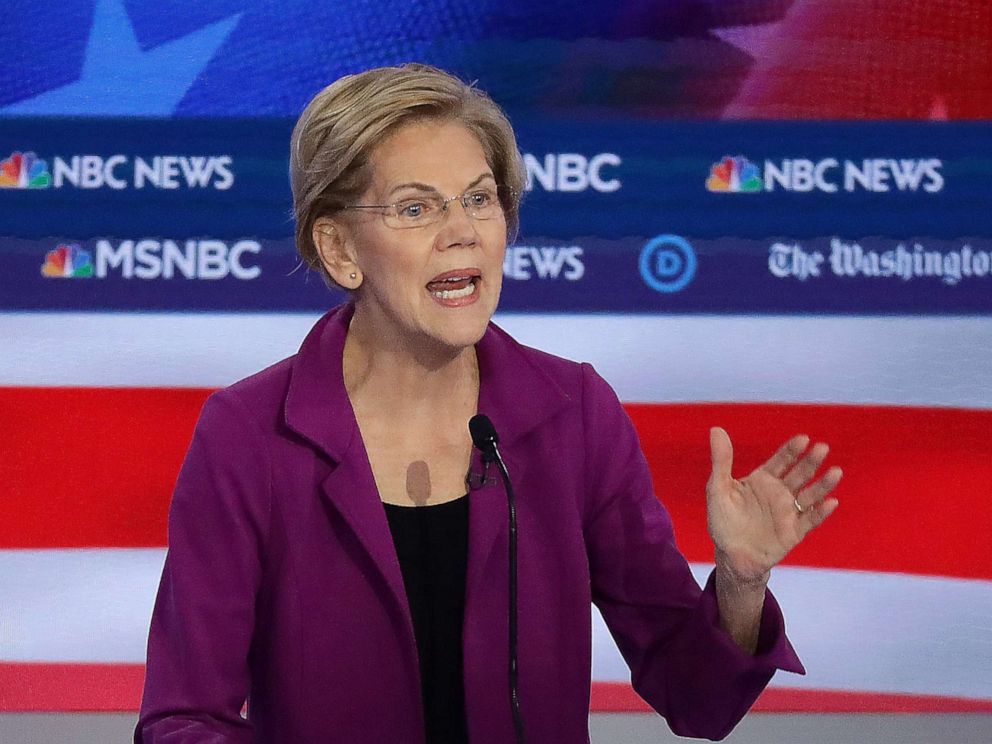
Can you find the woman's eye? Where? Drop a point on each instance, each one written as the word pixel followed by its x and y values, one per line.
pixel 411 209
pixel 480 198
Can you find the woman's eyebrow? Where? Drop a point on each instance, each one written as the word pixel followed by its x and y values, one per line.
pixel 413 185
pixel 482 177
pixel 425 187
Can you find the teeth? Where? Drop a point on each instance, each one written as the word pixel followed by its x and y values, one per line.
pixel 454 294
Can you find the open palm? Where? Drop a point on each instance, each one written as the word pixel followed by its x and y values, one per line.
pixel 754 522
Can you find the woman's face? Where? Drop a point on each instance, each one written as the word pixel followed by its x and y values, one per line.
pixel 436 283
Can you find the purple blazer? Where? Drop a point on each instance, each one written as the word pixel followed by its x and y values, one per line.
pixel 282 586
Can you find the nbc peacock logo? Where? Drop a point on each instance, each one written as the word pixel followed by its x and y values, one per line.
pixel 24 170
pixel 734 175
pixel 68 261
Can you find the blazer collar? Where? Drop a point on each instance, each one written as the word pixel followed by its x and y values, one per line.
pixel 515 393
pixel 317 405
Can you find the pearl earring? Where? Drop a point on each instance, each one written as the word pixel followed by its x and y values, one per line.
pixel 353 275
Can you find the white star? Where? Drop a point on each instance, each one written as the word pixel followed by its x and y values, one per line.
pixel 752 40
pixel 120 79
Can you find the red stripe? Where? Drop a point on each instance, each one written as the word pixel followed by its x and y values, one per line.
pixel 117 687
pixel 91 467
pixel 71 687
pixel 914 498
pixel 87 467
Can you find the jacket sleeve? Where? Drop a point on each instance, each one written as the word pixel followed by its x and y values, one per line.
pixel 197 677
pixel 681 661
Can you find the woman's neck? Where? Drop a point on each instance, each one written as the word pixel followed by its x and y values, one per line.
pixel 406 375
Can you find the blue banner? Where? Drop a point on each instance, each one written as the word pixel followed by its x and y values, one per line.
pixel 618 217
pixel 666 273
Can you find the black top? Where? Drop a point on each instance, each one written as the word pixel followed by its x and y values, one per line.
pixel 432 547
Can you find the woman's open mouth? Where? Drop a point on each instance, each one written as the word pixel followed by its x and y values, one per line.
pixel 455 288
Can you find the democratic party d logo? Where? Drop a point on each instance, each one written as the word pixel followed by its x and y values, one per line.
pixel 24 171
pixel 734 175
pixel 667 263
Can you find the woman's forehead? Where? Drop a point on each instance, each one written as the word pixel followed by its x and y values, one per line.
pixel 432 153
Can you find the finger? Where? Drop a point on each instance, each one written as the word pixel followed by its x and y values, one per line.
pixel 806 467
pixel 787 454
pixel 816 515
pixel 721 455
pixel 818 491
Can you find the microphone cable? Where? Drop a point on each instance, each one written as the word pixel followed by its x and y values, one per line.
pixel 485 439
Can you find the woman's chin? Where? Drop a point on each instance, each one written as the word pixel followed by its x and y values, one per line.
pixel 461 326
pixel 461 334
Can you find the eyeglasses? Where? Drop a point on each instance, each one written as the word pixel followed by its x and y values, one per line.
pixel 480 203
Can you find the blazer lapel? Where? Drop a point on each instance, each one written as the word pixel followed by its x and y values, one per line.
pixel 351 491
pixel 487 521
pixel 518 397
pixel 318 409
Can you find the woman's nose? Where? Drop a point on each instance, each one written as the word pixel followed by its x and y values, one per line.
pixel 458 225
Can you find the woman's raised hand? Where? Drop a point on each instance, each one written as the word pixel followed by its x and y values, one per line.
pixel 754 522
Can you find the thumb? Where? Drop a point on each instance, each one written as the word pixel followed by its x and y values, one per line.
pixel 721 454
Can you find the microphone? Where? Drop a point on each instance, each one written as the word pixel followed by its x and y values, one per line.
pixel 485 439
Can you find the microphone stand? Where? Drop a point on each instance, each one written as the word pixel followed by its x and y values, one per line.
pixel 484 437
pixel 518 723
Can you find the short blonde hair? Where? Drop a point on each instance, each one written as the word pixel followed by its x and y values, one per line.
pixel 336 134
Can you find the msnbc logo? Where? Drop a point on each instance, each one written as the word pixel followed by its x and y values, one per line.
pixel 24 171
pixel 68 262
pixel 734 175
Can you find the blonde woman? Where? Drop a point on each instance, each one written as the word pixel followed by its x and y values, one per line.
pixel 331 579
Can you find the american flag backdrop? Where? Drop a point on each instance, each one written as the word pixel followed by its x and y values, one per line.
pixel 715 269
pixel 888 603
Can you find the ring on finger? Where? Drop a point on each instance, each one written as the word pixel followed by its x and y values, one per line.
pixel 799 507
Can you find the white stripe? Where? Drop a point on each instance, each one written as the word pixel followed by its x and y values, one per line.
pixel 866 631
pixel 853 630
pixel 143 350
pixel 90 605
pixel 913 361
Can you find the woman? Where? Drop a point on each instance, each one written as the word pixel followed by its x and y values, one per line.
pixel 325 564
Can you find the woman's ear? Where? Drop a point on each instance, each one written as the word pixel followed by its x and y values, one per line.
pixel 335 252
